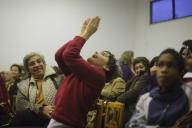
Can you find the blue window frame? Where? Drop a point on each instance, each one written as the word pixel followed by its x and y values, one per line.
pixel 164 10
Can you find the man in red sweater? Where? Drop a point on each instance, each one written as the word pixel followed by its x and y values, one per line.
pixel 83 82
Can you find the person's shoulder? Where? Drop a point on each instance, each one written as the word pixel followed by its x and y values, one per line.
pixel 24 81
pixel 119 79
pixel 145 96
pixel 23 85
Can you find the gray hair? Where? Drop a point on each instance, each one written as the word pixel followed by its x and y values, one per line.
pixel 126 57
pixel 26 59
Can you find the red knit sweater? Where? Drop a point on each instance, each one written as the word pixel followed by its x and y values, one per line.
pixel 81 87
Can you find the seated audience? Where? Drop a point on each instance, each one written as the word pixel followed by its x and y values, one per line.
pixel 125 63
pixel 35 95
pixel 135 85
pixel 164 105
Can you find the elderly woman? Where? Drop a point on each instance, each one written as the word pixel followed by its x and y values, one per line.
pixel 35 96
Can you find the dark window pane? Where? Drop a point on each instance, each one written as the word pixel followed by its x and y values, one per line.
pixel 161 10
pixel 183 8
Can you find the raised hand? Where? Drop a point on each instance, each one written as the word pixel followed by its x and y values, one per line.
pixel 89 27
pixel 84 25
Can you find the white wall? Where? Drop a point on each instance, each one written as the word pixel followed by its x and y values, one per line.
pixel 44 25
pixel 152 39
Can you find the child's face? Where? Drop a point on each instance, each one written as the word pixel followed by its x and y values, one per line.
pixel 139 68
pixel 167 73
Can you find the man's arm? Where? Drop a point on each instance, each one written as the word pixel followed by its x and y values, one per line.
pixel 84 70
pixel 61 63
pixel 86 32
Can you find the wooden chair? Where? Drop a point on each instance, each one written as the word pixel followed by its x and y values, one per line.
pixel 114 115
pixel 100 114
pixel 96 121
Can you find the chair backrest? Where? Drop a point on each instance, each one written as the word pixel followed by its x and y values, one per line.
pixel 185 121
pixel 100 115
pixel 114 115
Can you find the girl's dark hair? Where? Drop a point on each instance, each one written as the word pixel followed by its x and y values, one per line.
pixel 154 61
pixel 187 44
pixel 180 63
pixel 18 66
pixel 113 68
pixel 181 50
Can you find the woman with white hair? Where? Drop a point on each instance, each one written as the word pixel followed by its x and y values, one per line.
pixel 35 96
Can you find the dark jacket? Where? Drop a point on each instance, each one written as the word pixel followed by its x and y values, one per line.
pixel 133 89
pixel 160 109
pixel 132 93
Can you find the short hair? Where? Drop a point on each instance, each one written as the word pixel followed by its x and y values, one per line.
pixel 26 59
pixel 187 44
pixel 153 61
pixel 178 58
pixel 126 57
pixel 18 66
pixel 142 60
pixel 113 68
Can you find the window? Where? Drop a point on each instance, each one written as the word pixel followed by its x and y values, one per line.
pixel 183 8
pixel 163 10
